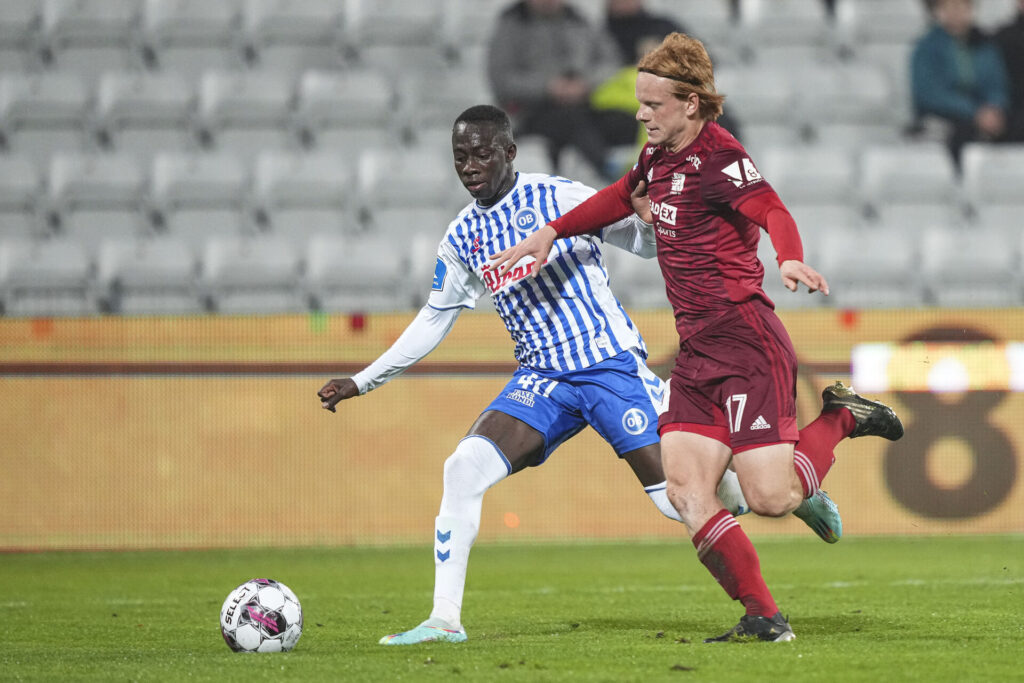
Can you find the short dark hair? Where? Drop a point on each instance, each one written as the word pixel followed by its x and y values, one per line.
pixel 486 113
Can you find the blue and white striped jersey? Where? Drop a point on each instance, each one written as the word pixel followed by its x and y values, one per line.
pixel 565 319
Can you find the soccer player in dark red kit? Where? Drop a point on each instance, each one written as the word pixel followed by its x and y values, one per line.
pixel 733 388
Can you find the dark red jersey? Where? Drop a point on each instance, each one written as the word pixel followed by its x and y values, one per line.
pixel 707 250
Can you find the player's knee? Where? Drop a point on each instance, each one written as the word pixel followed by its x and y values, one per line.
pixel 770 503
pixel 475 466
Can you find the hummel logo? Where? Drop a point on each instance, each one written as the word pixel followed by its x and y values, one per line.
pixel 760 423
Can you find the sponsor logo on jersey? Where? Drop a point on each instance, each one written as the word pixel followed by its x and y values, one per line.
pixel 664 212
pixel 760 423
pixel 695 160
pixel 678 180
pixel 476 245
pixel 666 232
pixel 526 220
pixel 742 173
pixel 650 174
pixel 524 397
pixel 496 284
pixel 634 421
pixel 440 273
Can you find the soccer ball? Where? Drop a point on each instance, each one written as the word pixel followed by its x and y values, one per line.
pixel 261 615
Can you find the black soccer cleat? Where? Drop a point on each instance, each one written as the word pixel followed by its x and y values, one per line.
pixel 774 630
pixel 873 418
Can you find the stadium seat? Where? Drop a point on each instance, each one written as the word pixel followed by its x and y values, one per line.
pixel 294 35
pixel 993 175
pixel 809 175
pixel 853 137
pixel 402 223
pixel 242 274
pixel 466 27
pixel 410 177
pixel 144 113
pixel 711 21
pixel 919 173
pixel 149 276
pixel 191 36
pixel 43 113
pixel 863 24
pixel 759 93
pixel 298 195
pixel 96 196
pixel 783 22
pixel 46 278
pixel 19 35
pixel 359 274
pixel 531 156
pixel 820 217
pixel 972 268
pixel 345 111
pixel 870 267
pixel 850 93
pixel 393 22
pixel 195 196
pixel 21 198
pixel 89 37
pixel 436 99
pixel 244 112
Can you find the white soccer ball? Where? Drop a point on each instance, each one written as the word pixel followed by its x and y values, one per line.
pixel 261 615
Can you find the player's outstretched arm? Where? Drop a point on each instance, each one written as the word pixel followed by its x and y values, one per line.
pixel 794 272
pixel 335 391
pixel 538 245
pixel 422 336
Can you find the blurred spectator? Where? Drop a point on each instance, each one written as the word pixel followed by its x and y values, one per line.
pixel 636 32
pixel 958 77
pixel 1011 40
pixel 544 61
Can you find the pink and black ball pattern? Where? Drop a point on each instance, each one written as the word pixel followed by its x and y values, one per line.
pixel 261 615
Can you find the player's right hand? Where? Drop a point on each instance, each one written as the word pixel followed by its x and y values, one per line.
pixel 335 391
pixel 538 245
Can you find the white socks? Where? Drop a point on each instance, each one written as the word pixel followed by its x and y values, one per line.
pixel 729 493
pixel 474 467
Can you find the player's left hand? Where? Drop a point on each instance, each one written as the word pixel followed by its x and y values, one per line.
pixel 335 391
pixel 794 272
pixel 641 203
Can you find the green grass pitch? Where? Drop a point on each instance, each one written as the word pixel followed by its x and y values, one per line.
pixel 867 609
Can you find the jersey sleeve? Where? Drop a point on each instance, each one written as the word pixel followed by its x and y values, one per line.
pixel 455 285
pixel 729 178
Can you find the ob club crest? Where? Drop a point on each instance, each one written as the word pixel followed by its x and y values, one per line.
pixel 526 220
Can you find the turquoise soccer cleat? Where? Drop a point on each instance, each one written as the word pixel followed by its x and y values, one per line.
pixel 429 631
pixel 822 515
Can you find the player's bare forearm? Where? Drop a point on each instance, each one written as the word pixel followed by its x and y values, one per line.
pixel 538 245
pixel 794 272
pixel 335 391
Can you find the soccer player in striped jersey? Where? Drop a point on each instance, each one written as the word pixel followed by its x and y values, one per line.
pixel 581 358
pixel 733 390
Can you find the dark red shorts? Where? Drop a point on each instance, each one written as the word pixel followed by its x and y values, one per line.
pixel 735 381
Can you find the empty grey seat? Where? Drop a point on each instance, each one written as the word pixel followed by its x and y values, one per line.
pixel 243 274
pixel 149 276
pixel 46 278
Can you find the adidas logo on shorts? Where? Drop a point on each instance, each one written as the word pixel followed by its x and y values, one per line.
pixel 760 423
